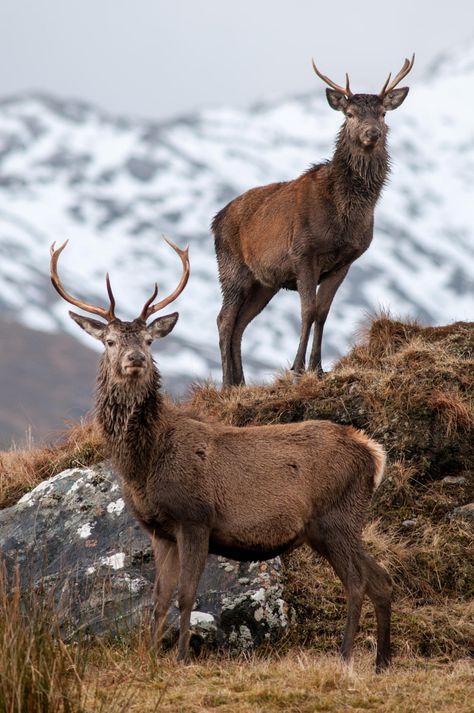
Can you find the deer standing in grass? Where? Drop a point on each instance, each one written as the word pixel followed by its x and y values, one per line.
pixel 248 493
pixel 307 232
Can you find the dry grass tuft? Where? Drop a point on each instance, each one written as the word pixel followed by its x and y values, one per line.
pixel 297 680
pixel 22 469
pixel 456 414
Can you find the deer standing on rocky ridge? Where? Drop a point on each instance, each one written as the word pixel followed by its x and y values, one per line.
pixel 307 232
pixel 248 493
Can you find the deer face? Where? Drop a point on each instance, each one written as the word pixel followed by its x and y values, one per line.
pixel 365 114
pixel 365 124
pixel 127 344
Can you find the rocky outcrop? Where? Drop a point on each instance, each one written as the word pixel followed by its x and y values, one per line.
pixel 75 542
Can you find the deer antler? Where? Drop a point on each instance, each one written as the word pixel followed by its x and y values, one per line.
pixel 347 91
pixel 389 85
pixel 149 308
pixel 107 314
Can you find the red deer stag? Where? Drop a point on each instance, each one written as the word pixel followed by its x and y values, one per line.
pixel 307 232
pixel 248 493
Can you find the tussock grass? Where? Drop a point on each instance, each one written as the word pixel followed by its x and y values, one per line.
pixel 297 680
pixel 39 673
pixel 22 469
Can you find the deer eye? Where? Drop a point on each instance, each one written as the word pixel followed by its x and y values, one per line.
pixel 149 341
pixel 349 115
pixel 383 113
pixel 110 342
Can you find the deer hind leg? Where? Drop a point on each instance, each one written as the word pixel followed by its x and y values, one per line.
pixel 166 579
pixel 324 298
pixel 343 552
pixel 258 297
pixel 235 285
pixel 379 589
pixel 307 282
pixel 193 545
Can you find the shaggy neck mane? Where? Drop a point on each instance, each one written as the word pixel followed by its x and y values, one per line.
pixel 358 175
pixel 132 418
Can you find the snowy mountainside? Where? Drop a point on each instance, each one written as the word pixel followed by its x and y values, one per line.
pixel 113 186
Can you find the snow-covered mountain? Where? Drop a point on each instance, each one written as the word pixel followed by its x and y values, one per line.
pixel 114 185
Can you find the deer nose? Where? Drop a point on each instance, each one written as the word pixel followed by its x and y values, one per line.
pixel 373 133
pixel 136 358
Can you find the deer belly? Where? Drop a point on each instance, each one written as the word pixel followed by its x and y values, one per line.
pixel 272 270
pixel 260 539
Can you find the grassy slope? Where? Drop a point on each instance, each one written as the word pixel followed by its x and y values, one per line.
pixel 411 388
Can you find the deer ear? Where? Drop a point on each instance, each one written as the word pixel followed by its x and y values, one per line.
pixel 336 100
pixel 91 326
pixel 393 99
pixel 162 326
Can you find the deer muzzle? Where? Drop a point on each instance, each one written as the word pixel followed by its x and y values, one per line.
pixel 371 136
pixel 135 361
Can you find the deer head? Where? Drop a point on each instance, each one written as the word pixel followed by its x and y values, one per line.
pixel 127 344
pixel 365 122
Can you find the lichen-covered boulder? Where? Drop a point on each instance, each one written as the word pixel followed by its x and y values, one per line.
pixel 75 541
pixel 465 513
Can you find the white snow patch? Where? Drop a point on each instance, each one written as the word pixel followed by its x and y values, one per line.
pixel 421 261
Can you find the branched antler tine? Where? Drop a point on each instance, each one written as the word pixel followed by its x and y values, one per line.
pixel 111 296
pixel 144 312
pixel 56 282
pixel 348 86
pixel 347 92
pixel 184 256
pixel 384 88
pixel 407 65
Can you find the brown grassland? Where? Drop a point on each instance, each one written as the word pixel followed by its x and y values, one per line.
pixel 409 387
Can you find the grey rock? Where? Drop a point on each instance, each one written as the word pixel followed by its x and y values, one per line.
pixel 464 512
pixel 75 541
pixel 454 480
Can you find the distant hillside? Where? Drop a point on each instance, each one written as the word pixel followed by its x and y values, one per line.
pixel 112 185
pixel 46 380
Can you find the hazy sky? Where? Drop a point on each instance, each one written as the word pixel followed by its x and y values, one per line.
pixel 158 58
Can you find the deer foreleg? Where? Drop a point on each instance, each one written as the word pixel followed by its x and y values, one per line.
pixel 324 298
pixel 193 546
pixel 166 578
pixel 307 282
